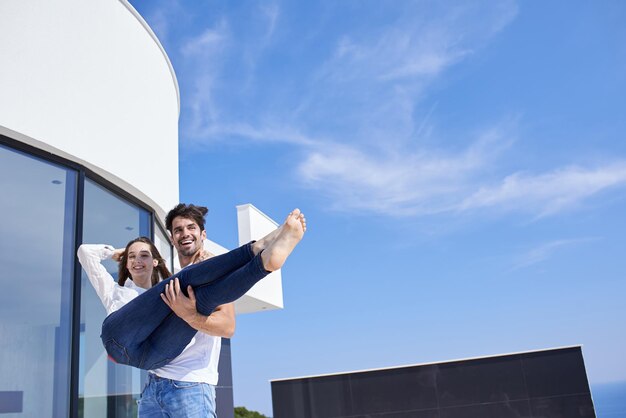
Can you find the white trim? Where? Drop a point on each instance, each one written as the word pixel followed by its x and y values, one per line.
pixel 250 205
pixel 428 364
pixel 141 20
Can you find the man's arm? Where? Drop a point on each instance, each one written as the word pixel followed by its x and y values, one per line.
pixel 221 322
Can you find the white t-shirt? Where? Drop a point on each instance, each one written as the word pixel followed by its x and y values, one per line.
pixel 198 361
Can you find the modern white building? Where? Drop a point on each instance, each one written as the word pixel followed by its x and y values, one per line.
pixel 89 108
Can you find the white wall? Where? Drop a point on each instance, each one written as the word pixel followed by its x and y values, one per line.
pixel 268 293
pixel 87 80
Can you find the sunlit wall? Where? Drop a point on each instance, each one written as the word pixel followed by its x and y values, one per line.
pixel 89 81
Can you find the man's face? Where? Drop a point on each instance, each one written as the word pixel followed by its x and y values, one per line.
pixel 186 236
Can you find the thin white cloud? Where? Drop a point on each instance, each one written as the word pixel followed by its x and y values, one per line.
pixel 208 43
pixel 545 251
pixel 166 17
pixel 399 182
pixel 424 183
pixel 407 54
pixel 160 24
pixel 203 57
pixel 375 80
pixel 548 193
pixel 161 16
pixel 398 53
pixel 271 11
pixel 418 45
pixel 267 134
pixel 254 46
pixel 394 61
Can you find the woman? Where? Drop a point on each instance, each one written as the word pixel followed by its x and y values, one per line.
pixel 138 251
pixel 141 330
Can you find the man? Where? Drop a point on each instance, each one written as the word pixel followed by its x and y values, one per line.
pixel 186 386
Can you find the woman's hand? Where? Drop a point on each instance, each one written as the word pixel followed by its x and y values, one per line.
pixel 117 254
pixel 181 305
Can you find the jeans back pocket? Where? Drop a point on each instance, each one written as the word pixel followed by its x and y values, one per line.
pixel 116 351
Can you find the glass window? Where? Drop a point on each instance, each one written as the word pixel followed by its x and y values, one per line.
pixel 105 388
pixel 37 257
pixel 162 242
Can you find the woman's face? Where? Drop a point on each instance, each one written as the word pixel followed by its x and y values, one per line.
pixel 140 262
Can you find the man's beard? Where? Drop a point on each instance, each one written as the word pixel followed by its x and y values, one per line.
pixel 190 251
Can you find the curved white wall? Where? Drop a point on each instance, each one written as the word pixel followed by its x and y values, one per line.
pixel 87 80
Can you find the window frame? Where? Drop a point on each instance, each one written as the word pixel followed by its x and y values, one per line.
pixel 82 173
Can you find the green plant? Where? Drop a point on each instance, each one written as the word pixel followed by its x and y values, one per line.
pixel 242 412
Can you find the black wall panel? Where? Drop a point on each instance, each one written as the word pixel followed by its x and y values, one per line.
pixel 543 384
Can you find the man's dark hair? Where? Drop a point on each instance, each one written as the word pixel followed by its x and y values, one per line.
pixel 184 210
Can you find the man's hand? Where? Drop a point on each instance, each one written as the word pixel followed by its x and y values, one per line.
pixel 221 322
pixel 183 306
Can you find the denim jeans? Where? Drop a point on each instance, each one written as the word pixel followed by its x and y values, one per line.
pixel 175 399
pixel 146 334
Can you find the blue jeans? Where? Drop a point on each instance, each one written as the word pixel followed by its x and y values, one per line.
pixel 146 334
pixel 175 399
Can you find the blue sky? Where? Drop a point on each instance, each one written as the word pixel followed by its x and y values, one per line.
pixel 462 166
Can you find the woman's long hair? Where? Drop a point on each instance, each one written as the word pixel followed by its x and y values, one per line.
pixel 159 273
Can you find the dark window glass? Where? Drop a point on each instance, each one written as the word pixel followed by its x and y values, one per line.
pixel 574 406
pixel 558 372
pixel 479 381
pixel 496 387
pixel 394 390
pixel 425 413
pixel 290 399
pixel 106 389
pixel 38 209
pixel 330 396
pixel 515 409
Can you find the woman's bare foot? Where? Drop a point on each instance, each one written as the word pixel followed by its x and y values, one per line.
pixel 289 235
pixel 264 242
